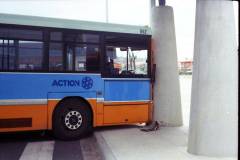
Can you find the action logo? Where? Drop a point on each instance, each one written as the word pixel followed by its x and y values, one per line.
pixel 87 82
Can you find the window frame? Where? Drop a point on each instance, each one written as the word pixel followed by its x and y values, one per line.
pixel 65 43
pixel 146 38
pixel 101 44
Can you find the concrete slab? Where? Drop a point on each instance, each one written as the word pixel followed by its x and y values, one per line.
pixel 129 143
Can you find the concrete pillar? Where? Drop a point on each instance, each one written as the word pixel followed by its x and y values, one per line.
pixel 213 120
pixel 152 4
pixel 167 100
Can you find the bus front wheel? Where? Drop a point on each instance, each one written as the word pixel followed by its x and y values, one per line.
pixel 72 119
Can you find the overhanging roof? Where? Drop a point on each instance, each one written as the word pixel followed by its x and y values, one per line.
pixel 72 24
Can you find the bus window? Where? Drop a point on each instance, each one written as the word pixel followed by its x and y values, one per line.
pixel 24 34
pixel 21 49
pixel 21 55
pixel 80 60
pixel 30 55
pixel 93 60
pixel 126 61
pixel 7 55
pixel 93 38
pixel 80 37
pixel 74 52
pixel 56 36
pixel 70 54
pixel 56 57
pixel 87 58
pixel 82 57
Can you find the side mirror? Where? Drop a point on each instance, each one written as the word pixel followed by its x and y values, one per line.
pixel 153 73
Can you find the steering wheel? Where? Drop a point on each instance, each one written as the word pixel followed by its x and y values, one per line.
pixel 127 72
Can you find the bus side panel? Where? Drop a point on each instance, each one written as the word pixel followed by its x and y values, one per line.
pixel 127 90
pixel 100 114
pixel 31 89
pixel 37 85
pixel 127 101
pixel 128 113
pixel 23 117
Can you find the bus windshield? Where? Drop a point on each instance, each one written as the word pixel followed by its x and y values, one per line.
pixel 122 61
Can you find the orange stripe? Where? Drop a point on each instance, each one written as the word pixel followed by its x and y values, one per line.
pixel 51 106
pixel 108 113
pixel 126 112
pixel 93 104
pixel 38 113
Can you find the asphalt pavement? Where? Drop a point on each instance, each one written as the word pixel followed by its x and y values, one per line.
pixel 40 145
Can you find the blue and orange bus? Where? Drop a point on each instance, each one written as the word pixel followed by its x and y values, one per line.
pixel 70 76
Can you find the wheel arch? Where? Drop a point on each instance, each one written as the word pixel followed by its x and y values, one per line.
pixel 78 98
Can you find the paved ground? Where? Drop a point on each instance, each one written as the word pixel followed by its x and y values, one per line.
pixel 129 143
pixel 185 88
pixel 36 146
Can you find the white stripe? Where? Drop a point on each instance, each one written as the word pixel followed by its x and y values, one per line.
pixel 128 101
pixel 38 151
pixel 100 99
pixel 56 99
pixel 28 101
pixel 63 97
pixel 45 101
pixel 128 79
pixel 22 101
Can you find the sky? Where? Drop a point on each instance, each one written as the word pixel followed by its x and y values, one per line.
pixel 132 12
pixel 184 18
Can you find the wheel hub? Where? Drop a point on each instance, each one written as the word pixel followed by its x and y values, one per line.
pixel 73 120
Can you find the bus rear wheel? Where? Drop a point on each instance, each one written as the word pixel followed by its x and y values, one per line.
pixel 72 119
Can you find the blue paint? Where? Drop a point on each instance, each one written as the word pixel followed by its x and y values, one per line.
pixel 62 95
pixel 60 85
pixel 127 90
pixel 38 85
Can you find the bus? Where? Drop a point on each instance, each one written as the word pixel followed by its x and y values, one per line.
pixel 70 76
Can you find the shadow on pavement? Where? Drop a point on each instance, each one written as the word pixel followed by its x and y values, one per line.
pixel 105 128
pixel 26 136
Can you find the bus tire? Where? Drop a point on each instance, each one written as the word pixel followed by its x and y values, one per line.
pixel 72 119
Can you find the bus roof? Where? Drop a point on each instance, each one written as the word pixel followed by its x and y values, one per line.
pixel 72 24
